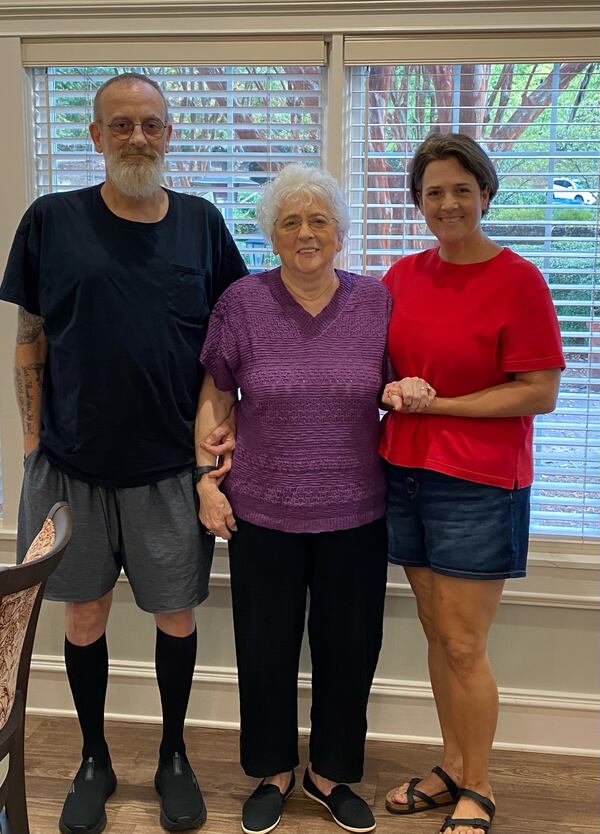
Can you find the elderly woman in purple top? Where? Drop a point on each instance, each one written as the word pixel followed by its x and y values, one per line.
pixel 303 504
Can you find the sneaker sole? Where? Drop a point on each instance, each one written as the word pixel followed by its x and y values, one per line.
pixel 263 830
pixel 341 824
pixel 81 829
pixel 184 825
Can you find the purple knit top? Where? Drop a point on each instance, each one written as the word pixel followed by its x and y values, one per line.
pixel 308 422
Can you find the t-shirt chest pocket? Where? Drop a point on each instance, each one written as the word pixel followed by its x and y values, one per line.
pixel 187 293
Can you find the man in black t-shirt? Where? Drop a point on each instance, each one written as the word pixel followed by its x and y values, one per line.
pixel 114 285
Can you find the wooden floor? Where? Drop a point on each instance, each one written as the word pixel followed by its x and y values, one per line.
pixel 535 793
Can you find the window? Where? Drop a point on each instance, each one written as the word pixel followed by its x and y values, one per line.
pixel 234 128
pixel 541 125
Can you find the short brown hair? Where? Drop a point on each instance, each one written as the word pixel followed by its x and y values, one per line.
pixel 467 153
pixel 129 78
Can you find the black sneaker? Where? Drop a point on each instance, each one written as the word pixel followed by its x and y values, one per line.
pixel 83 811
pixel 181 802
pixel 348 809
pixel 262 810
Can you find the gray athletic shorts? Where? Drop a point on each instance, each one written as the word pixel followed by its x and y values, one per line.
pixel 152 532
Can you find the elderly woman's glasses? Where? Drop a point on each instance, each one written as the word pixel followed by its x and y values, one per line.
pixel 122 128
pixel 317 222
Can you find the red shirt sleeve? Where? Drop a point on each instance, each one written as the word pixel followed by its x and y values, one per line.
pixel 531 340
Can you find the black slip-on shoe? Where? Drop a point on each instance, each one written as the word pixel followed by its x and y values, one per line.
pixel 181 803
pixel 83 811
pixel 349 810
pixel 262 810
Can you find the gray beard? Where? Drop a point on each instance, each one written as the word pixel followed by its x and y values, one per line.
pixel 135 178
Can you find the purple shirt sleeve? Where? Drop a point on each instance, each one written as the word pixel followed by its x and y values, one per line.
pixel 220 354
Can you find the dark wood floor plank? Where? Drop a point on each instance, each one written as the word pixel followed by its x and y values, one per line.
pixel 535 793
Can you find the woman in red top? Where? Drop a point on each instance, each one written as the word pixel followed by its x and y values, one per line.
pixel 476 345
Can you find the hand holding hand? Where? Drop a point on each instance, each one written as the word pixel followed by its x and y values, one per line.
pixel 215 510
pixel 221 443
pixel 409 395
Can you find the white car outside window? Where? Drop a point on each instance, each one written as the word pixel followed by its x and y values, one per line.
pixel 564 188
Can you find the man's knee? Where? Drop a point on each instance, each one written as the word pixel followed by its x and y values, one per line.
pixel 85 622
pixel 176 624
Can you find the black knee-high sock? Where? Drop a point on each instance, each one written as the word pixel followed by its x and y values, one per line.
pixel 87 670
pixel 175 661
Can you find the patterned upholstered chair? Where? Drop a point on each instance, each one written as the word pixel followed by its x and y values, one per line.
pixel 21 591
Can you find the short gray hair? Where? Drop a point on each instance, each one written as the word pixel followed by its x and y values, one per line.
pixel 127 78
pixel 297 180
pixel 467 153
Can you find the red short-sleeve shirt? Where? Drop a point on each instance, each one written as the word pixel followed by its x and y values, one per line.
pixel 465 327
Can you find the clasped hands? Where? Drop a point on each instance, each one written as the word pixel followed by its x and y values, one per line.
pixel 409 395
pixel 215 512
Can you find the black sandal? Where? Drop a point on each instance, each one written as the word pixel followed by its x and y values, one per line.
pixel 417 800
pixel 475 822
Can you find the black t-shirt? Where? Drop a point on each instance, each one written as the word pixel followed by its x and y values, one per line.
pixel 125 307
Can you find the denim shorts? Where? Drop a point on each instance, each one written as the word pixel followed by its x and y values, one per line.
pixel 456 527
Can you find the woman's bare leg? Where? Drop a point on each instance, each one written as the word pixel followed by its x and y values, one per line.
pixel 463 611
pixel 421 581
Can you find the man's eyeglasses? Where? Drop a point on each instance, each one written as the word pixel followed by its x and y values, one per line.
pixel 123 128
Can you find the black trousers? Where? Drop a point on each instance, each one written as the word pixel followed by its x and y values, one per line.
pixel 345 573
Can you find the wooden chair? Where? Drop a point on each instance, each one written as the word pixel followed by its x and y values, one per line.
pixel 21 592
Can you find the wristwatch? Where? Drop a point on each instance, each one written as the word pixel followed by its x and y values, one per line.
pixel 199 471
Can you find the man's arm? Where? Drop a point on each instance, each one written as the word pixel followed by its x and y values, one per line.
pixel 213 407
pixel 221 443
pixel 30 361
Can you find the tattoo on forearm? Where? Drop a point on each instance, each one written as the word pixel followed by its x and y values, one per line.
pixel 29 327
pixel 28 382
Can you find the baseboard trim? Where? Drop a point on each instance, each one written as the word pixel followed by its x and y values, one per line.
pixel 530 598
pixel 527 598
pixel 555 576
pixel 530 720
pixel 402 589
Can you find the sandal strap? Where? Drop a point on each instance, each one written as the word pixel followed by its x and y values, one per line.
pixel 424 797
pixel 412 792
pixel 485 802
pixel 474 822
pixel 447 780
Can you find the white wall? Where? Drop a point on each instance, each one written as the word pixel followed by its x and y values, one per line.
pixel 544 645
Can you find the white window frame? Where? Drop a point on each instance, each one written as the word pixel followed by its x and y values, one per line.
pixel 26 28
